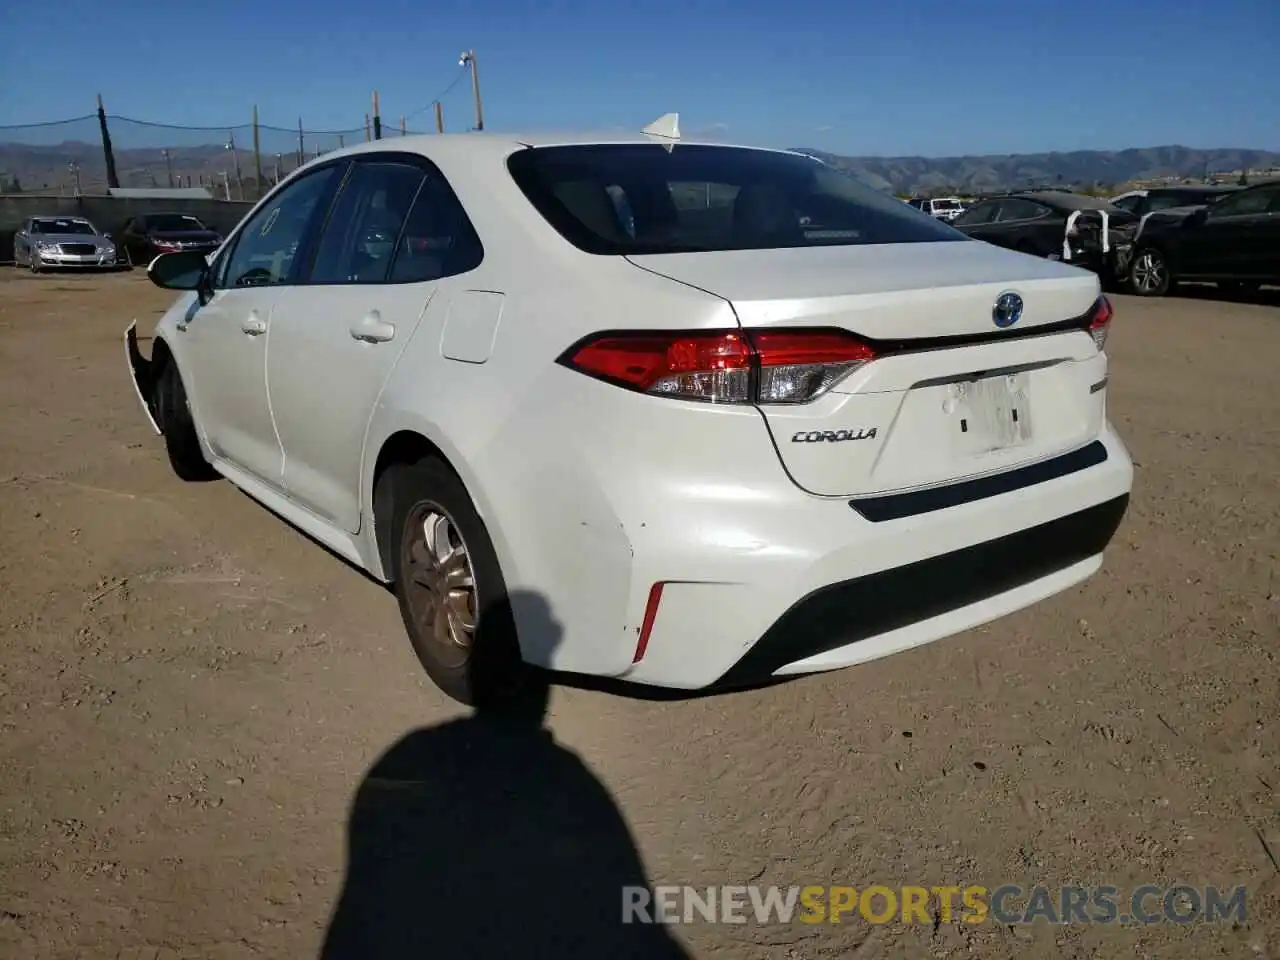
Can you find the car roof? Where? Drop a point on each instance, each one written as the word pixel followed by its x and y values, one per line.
pixel 459 146
pixel 1197 188
pixel 1066 201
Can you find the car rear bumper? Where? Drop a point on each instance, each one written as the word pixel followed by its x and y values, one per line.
pixel 833 587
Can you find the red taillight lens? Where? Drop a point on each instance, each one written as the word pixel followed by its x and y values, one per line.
pixel 1100 315
pixel 723 366
pixel 797 367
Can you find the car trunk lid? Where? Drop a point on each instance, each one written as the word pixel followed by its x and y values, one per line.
pixel 950 394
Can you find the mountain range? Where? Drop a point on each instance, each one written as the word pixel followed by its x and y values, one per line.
pixel 1077 168
pixel 46 168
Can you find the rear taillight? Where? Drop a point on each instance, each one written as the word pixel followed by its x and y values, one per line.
pixel 1100 321
pixel 723 366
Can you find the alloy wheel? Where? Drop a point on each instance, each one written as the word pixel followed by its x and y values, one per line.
pixel 439 582
pixel 1148 272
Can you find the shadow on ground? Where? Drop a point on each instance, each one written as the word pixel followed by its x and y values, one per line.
pixel 1263 296
pixel 484 838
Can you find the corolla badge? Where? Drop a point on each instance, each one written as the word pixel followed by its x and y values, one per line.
pixel 1007 311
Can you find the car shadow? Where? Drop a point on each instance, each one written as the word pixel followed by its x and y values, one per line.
pixel 485 838
pixel 1264 296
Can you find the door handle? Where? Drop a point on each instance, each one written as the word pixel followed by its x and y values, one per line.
pixel 373 329
pixel 253 325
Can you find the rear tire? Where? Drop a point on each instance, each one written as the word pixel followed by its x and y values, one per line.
pixel 1149 274
pixel 453 598
pixel 173 415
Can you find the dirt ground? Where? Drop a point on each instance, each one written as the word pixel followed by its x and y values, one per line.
pixel 191 693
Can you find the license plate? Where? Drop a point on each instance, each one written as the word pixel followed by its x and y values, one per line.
pixel 990 414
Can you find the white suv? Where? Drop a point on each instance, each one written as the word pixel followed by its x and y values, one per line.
pixel 943 208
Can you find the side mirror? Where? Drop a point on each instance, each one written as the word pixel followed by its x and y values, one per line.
pixel 1197 218
pixel 185 270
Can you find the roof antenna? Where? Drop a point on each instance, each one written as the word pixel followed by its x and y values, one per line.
pixel 666 130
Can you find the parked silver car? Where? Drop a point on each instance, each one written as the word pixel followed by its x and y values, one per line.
pixel 47 242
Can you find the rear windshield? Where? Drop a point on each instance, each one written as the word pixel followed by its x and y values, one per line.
pixel 945 204
pixel 642 199
pixel 173 221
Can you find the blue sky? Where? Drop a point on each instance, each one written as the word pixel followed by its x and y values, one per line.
pixel 928 77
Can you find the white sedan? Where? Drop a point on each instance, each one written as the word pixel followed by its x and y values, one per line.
pixel 689 415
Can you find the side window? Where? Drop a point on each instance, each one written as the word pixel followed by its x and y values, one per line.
pixel 1018 210
pixel 438 239
pixel 266 246
pixel 1244 203
pixel 1164 201
pixel 1129 204
pixel 977 214
pixel 361 236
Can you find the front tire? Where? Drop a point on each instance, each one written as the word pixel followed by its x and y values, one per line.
pixel 1149 274
pixel 452 595
pixel 173 414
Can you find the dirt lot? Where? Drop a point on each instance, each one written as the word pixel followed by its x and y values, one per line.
pixel 191 694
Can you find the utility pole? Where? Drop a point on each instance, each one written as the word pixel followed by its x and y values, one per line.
pixel 439 117
pixel 168 166
pixel 469 60
pixel 235 158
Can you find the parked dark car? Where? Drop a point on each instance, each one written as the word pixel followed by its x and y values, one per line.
pixel 1057 225
pixel 1142 202
pixel 1234 243
pixel 145 237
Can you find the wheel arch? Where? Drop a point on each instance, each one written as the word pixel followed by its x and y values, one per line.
pixel 408 441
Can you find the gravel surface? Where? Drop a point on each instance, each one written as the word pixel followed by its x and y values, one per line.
pixel 192 695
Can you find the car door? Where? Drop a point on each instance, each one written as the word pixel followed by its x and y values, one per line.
pixel 1231 240
pixel 224 342
pixel 131 240
pixel 397 231
pixel 1269 240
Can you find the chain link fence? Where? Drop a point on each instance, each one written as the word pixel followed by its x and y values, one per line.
pixel 90 154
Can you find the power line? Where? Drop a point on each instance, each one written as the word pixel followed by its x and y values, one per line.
pixel 47 123
pixel 462 72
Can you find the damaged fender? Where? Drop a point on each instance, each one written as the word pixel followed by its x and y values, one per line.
pixel 140 373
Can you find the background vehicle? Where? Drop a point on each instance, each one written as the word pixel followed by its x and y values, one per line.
pixel 1234 243
pixel 1142 202
pixel 1056 225
pixel 943 208
pixel 763 420
pixel 145 237
pixel 61 242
